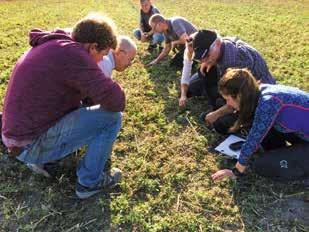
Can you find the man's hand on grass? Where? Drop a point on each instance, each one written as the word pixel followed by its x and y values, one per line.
pixel 152 63
pixel 183 101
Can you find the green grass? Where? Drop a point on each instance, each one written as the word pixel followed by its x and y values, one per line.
pixel 165 159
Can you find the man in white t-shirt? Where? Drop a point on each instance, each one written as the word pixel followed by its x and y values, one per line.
pixel 120 58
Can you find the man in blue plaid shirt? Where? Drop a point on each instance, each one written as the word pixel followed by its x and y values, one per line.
pixel 216 55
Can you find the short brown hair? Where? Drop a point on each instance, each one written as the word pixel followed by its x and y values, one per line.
pixel 96 28
pixel 156 18
pixel 240 82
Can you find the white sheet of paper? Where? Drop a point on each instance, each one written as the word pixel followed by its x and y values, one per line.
pixel 223 147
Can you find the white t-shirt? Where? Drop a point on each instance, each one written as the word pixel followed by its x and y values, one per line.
pixel 107 64
pixel 186 71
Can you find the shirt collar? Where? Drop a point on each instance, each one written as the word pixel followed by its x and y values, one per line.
pixel 111 58
pixel 222 49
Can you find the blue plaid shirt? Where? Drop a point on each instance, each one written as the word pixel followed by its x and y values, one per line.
pixel 238 54
pixel 282 107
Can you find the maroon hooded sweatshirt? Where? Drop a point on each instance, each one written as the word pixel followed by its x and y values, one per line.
pixel 49 81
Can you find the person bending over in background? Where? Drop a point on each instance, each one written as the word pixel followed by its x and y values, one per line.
pixel 118 59
pixel 216 54
pixel 176 31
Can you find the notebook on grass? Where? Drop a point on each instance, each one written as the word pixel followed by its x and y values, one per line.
pixel 231 146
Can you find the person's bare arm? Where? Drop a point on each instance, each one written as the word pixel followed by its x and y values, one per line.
pixel 183 96
pixel 167 48
pixel 213 116
pixel 182 39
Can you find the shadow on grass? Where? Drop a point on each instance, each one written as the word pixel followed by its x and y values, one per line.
pixel 267 205
pixel 167 87
pixel 30 202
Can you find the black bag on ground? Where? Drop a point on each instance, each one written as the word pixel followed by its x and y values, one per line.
pixel 284 164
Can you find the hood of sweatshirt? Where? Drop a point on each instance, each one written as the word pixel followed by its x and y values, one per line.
pixel 38 37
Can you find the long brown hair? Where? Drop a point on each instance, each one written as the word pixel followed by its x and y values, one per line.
pixel 241 83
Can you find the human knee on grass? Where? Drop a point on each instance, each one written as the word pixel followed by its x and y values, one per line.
pixel 263 107
pixel 144 33
pixel 39 78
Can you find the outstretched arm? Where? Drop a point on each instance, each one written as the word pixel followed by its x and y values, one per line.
pixel 167 48
pixel 265 116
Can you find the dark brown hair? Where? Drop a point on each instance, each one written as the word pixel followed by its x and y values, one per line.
pixel 241 83
pixel 96 28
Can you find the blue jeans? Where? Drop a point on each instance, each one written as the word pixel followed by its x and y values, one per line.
pixel 157 38
pixel 91 126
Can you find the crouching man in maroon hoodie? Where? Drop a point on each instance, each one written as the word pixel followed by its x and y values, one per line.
pixel 42 117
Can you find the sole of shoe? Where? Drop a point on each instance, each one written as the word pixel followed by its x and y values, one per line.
pixel 85 195
pixel 116 179
pixel 38 170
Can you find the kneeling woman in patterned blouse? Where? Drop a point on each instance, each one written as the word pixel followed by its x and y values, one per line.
pixel 268 107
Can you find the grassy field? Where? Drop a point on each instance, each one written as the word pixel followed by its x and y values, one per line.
pixel 162 149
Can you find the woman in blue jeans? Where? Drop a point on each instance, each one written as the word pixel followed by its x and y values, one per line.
pixel 265 107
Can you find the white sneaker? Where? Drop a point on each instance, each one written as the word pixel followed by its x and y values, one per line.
pixel 38 169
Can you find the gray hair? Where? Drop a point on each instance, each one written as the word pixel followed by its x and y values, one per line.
pixel 125 43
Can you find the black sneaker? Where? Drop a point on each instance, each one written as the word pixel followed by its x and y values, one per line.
pixel 109 181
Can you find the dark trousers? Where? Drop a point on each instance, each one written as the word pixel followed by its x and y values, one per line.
pixel 274 139
pixel 284 163
pixel 177 59
pixel 205 85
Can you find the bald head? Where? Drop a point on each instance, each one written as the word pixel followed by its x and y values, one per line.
pixel 125 43
pixel 124 53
